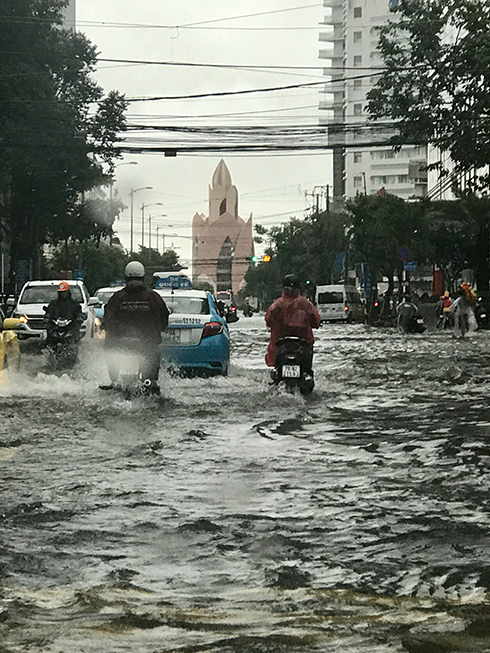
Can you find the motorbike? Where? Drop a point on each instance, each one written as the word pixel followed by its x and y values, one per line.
pixel 293 365
pixel 481 315
pixel 64 339
pixel 231 314
pixel 416 324
pixel 445 321
pixel 133 370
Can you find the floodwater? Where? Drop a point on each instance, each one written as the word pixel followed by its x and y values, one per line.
pixel 233 517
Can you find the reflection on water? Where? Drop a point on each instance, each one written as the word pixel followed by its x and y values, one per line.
pixel 233 516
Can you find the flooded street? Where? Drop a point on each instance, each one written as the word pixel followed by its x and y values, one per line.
pixel 234 517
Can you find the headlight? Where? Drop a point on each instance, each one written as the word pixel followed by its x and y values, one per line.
pixel 97 321
pixel 23 319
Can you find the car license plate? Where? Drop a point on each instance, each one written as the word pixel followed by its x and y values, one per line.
pixel 172 337
pixel 291 371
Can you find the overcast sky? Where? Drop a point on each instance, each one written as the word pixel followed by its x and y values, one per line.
pixel 271 33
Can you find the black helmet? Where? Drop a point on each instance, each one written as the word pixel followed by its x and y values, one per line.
pixel 290 281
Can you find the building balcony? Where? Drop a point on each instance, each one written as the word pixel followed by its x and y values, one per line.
pixel 330 105
pixel 333 3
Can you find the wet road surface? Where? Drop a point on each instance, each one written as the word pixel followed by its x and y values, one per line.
pixel 234 517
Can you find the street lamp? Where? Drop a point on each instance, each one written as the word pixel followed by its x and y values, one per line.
pixel 150 218
pixel 132 192
pixel 125 163
pixel 143 206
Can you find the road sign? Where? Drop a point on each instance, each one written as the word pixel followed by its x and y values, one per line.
pixel 182 283
pixel 404 253
pixel 410 266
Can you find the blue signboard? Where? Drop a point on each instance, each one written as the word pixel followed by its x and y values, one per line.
pixel 181 283
pixel 79 275
pixel 410 266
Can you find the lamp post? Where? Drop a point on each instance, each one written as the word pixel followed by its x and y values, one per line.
pixel 118 165
pixel 143 206
pixel 150 218
pixel 132 192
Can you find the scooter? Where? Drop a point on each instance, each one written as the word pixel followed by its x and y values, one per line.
pixel 64 337
pixel 231 314
pixel 416 324
pixel 293 365
pixel 133 373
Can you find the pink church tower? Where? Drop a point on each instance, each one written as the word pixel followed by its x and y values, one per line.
pixel 223 242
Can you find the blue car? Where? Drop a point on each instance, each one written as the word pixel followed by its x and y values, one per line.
pixel 197 338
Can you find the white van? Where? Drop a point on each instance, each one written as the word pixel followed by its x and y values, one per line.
pixel 338 302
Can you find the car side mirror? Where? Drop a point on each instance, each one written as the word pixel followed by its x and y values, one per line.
pixel 94 301
pixel 10 302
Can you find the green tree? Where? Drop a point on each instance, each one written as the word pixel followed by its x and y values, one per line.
pixel 458 235
pixel 381 225
pixel 58 130
pixel 151 258
pixel 436 81
pixel 307 248
pixel 102 263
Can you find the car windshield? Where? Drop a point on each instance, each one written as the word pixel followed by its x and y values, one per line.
pixel 186 305
pixel 330 298
pixel 104 296
pixel 44 294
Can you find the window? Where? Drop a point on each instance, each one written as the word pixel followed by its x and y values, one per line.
pixel 357 37
pixel 357 84
pixel 44 294
pixel 357 12
pixel 358 109
pixel 357 157
pixel 358 181
pixel 403 179
pixel 330 298
pixel 186 305
pixel 383 154
pixel 357 60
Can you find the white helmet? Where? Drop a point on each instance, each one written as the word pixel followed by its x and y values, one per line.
pixel 134 270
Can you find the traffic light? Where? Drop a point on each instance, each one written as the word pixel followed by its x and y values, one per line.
pixel 266 258
pixel 254 259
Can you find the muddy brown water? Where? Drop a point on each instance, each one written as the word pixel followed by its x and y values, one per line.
pixel 235 517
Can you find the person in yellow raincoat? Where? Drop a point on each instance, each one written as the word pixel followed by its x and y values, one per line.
pixel 9 348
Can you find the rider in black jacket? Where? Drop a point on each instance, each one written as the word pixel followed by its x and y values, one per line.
pixel 134 319
pixel 63 307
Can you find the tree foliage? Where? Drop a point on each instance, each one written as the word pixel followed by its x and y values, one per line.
pixel 58 130
pixel 103 263
pixel 381 225
pixel 307 248
pixel 436 81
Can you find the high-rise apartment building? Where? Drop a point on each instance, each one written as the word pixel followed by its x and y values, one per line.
pixel 358 165
pixel 70 14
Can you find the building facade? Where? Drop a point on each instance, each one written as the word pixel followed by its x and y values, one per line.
pixel 351 38
pixel 222 243
pixel 70 15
